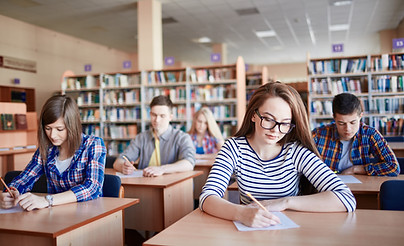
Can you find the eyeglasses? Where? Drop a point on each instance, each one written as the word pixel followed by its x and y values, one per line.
pixel 269 124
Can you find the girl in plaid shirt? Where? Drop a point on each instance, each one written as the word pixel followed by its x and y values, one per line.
pixel 72 161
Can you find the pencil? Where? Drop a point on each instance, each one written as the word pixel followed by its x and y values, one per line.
pixel 126 159
pixel 256 201
pixel 8 189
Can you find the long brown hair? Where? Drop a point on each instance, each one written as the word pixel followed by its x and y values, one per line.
pixel 213 128
pixel 300 133
pixel 55 107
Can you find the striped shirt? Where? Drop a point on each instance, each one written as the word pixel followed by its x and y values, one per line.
pixel 271 179
pixel 366 143
pixel 84 176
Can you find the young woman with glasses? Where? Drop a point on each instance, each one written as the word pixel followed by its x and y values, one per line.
pixel 269 156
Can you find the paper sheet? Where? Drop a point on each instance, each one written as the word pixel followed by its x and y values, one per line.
pixel 349 179
pixel 15 209
pixel 286 223
pixel 135 174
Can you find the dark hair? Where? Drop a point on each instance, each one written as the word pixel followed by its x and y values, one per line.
pixel 162 101
pixel 346 103
pixel 54 108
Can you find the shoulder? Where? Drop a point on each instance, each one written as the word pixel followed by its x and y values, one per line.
pixel 91 139
pixel 370 132
pixel 323 129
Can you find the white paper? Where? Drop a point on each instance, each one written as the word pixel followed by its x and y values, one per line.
pixel 135 174
pixel 286 223
pixel 349 179
pixel 15 209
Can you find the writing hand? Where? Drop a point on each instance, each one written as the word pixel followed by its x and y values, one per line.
pixel 127 168
pixel 7 201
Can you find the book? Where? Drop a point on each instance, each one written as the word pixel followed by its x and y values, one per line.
pixel 20 121
pixel 7 122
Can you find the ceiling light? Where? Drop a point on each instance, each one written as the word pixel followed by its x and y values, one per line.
pixel 342 27
pixel 202 40
pixel 340 2
pixel 248 11
pixel 265 34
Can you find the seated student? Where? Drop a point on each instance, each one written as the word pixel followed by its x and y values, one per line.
pixel 205 134
pixel 270 155
pixel 347 145
pixel 175 146
pixel 72 161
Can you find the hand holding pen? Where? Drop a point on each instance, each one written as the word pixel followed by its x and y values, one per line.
pixel 128 166
pixel 263 217
pixel 7 200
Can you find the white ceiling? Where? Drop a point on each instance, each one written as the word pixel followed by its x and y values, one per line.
pixel 113 23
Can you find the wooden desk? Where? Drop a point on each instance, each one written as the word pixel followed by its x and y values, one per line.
pixel 398 148
pixel 363 227
pixel 366 193
pixel 163 200
pixel 199 182
pixel 97 222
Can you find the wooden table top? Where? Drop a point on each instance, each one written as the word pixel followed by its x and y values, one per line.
pixel 362 227
pixel 162 181
pixel 369 185
pixel 52 222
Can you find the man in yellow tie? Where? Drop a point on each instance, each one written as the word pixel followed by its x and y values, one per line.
pixel 161 149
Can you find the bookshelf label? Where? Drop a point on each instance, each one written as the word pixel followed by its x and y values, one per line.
pixel 215 57
pixel 169 60
pixel 87 68
pixel 127 64
pixel 398 43
pixel 337 48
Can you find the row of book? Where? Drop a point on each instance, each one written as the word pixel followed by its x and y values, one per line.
pixel 121 114
pixel 121 131
pixel 116 147
pixel 389 126
pixel 340 66
pixel 92 129
pixel 212 75
pixel 13 121
pixel 88 98
pixel 89 115
pixel 220 112
pixel 336 86
pixel 387 62
pixel 77 83
pixel 122 97
pixel 209 92
pixel 388 83
pixel 163 77
pixel 175 94
pixel 120 80
pixel 390 105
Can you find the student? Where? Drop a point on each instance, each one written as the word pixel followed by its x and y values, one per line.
pixel 175 146
pixel 347 145
pixel 72 161
pixel 269 156
pixel 205 134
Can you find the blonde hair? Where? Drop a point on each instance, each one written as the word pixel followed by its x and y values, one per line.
pixel 60 106
pixel 213 128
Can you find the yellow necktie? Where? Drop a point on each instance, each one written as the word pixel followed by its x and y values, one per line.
pixel 155 157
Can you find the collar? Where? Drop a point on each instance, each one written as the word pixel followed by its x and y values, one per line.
pixel 165 135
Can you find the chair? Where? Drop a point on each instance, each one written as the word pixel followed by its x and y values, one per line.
pixel 40 185
pixel 112 186
pixel 109 162
pixel 391 196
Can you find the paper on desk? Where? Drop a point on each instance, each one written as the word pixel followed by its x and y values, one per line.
pixel 135 174
pixel 286 223
pixel 15 209
pixel 349 179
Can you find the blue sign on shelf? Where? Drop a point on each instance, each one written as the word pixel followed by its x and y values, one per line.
pixel 127 64
pixel 337 48
pixel 169 60
pixel 87 68
pixel 215 57
pixel 398 43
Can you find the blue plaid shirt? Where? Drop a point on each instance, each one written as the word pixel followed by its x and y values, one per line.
pixel 84 176
pixel 366 142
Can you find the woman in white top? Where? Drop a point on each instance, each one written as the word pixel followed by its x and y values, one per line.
pixel 270 156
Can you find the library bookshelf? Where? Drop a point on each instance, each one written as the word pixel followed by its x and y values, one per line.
pixel 115 106
pixel 377 80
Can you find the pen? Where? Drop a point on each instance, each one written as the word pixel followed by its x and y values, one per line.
pixel 126 159
pixel 8 189
pixel 256 201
